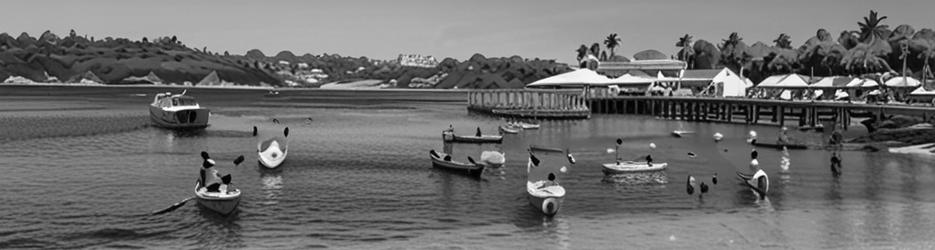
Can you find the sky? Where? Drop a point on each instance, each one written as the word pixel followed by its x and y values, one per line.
pixel 383 29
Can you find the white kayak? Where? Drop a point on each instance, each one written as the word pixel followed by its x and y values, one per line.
pixel 921 149
pixel 547 198
pixel 525 125
pixel 624 167
pixel 680 133
pixel 273 151
pixel 221 202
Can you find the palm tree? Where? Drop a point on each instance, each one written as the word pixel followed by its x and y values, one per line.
pixel 595 49
pixel 784 41
pixel 732 50
pixel 582 52
pixel 611 42
pixel 871 28
pixel 864 59
pixel 686 53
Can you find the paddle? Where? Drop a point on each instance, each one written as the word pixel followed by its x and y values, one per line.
pixel 471 160
pixel 173 207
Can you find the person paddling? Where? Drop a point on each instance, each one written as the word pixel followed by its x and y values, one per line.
pixel 207 166
pixel 754 163
pixel 551 182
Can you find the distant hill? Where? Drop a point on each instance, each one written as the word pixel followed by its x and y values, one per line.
pixel 113 61
pixel 165 60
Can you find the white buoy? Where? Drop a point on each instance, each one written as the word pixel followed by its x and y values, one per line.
pixel 718 136
pixel 652 145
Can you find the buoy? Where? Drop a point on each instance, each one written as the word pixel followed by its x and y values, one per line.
pixel 718 137
pixel 652 145
pixel 691 154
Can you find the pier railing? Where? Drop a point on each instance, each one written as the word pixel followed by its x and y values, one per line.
pixel 530 103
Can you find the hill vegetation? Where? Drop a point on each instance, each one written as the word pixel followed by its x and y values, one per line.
pixel 166 60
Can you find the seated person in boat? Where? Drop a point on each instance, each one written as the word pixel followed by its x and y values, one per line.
pixel 754 163
pixel 551 182
pixel 836 137
pixel 478 134
pixel 649 160
pixel 225 184
pixel 211 182
pixel 783 136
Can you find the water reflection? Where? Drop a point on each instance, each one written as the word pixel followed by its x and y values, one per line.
pixel 658 177
pixel 271 186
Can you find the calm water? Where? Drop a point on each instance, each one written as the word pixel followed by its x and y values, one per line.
pixel 359 176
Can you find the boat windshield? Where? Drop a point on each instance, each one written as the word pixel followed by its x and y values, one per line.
pixel 183 102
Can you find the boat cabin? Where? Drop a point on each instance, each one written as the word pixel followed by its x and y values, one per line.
pixel 167 100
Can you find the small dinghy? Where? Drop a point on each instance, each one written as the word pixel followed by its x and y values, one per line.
pixel 493 159
pixel 526 125
pixel 625 167
pixel 545 149
pixel 444 161
pixel 758 182
pixel 177 112
pixel 779 145
pixel 680 133
pixel 508 129
pixel 450 136
pixel 545 195
pixel 272 151
pixel 547 198
pixel 222 202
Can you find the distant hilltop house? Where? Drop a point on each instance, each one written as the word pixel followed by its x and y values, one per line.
pixel 412 60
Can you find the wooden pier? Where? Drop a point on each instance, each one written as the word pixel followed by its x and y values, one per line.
pixel 530 103
pixel 750 111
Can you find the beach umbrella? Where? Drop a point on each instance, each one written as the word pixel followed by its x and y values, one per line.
pixel 650 54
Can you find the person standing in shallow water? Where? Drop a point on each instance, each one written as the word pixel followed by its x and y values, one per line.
pixel 836 164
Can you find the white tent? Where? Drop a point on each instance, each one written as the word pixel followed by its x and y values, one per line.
pixel 902 82
pixel 862 83
pixel 832 82
pixel 628 79
pixel 732 83
pixel 790 81
pixel 577 78
pixel 920 91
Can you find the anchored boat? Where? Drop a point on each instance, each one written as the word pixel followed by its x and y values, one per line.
pixel 178 111
pixel 272 151
pixel 444 161
pixel 449 135
pixel 625 167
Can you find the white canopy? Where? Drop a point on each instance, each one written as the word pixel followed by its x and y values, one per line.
pixel 790 81
pixel 921 91
pixel 579 77
pixel 832 82
pixel 862 83
pixel 628 79
pixel 902 82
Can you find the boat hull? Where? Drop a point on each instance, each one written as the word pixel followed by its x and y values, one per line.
pixel 472 139
pixel 779 146
pixel 274 154
pixel 632 167
pixel 179 119
pixel 509 129
pixel 222 205
pixel 473 170
pixel 549 206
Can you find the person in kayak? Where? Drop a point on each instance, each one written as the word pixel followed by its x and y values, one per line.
pixel 783 137
pixel 754 163
pixel 836 137
pixel 206 177
pixel 551 181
